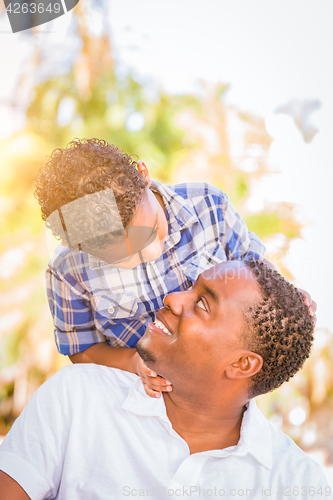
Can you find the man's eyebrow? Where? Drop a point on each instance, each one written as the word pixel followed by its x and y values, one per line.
pixel 209 291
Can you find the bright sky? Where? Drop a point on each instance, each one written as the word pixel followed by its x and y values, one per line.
pixel 270 52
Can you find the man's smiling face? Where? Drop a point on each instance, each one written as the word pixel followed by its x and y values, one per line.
pixel 198 333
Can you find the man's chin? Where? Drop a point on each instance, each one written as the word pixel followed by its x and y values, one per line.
pixel 145 354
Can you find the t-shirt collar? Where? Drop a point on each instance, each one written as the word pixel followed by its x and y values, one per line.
pixel 255 436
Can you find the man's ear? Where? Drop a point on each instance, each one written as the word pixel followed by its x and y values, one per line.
pixel 143 169
pixel 248 365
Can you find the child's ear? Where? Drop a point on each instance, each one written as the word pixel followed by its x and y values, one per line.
pixel 143 169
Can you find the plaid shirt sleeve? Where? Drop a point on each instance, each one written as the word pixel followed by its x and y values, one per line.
pixel 74 328
pixel 240 243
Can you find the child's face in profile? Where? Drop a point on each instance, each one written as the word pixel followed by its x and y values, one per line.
pixel 141 241
pixel 149 214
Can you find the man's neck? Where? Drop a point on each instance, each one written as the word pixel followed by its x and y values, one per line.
pixel 205 425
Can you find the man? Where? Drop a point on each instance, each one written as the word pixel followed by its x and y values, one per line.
pixel 91 432
pixel 131 242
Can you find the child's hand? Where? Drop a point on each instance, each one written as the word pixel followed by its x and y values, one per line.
pixel 153 383
pixel 311 305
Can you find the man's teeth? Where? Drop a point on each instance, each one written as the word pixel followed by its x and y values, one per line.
pixel 160 325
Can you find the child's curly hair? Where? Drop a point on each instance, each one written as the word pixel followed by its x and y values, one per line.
pixel 84 167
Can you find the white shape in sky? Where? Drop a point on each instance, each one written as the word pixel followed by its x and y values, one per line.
pixel 11 262
pixel 255 204
pixel 254 150
pixel 248 165
pixel 309 437
pixel 66 110
pixel 135 122
pixel 276 420
pixel 280 126
pixel 10 122
pixel 297 416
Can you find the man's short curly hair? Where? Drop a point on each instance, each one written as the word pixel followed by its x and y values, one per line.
pixel 87 166
pixel 281 329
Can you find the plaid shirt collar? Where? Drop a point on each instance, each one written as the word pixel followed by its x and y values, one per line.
pixel 179 215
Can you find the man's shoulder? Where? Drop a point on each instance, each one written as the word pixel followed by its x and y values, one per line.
pixel 90 378
pixel 81 372
pixel 279 452
pixel 294 459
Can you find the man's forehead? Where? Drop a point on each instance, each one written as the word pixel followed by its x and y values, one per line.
pixel 229 278
pixel 228 272
pixel 231 285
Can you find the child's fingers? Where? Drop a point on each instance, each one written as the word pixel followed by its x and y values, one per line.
pixel 161 388
pixel 161 381
pixel 311 305
pixel 314 319
pixel 146 372
pixel 151 392
pixel 313 308
pixel 312 312
pixel 158 384
pixel 154 384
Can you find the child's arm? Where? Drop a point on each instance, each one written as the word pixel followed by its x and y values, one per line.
pixel 104 354
pixel 72 311
pixel 125 359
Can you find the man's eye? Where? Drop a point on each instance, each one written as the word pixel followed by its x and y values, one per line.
pixel 201 304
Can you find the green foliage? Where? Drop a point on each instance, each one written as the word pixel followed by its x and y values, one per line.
pixel 241 189
pixel 264 224
pixel 278 219
pixel 11 346
pixel 104 115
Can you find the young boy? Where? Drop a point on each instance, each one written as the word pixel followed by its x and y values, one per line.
pixel 127 242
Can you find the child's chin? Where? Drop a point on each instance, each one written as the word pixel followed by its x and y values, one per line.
pixel 156 256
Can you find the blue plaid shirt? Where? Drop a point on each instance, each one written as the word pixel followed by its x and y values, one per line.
pixel 92 302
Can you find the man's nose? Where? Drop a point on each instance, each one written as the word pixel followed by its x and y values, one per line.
pixel 175 302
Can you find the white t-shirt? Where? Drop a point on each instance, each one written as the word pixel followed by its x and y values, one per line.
pixel 91 432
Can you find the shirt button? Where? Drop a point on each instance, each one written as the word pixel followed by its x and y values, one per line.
pixel 110 309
